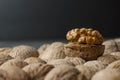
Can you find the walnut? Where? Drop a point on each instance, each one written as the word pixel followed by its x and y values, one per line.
pixel 5 50
pixel 54 51
pixel 14 62
pixel 84 36
pixel 3 75
pixel 86 71
pixel 107 74
pixel 107 59
pixel 117 41
pixel 4 58
pixel 32 69
pixel 114 65
pixel 115 54
pixel 85 51
pixel 43 48
pixel 110 46
pixel 31 60
pixel 62 72
pixel 23 52
pixel 15 73
pixel 44 69
pixel 75 60
pixel 58 62
pixel 95 65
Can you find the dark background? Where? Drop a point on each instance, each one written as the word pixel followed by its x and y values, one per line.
pixel 51 19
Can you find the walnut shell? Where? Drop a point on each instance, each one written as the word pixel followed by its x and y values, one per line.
pixel 62 72
pixel 58 62
pixel 85 51
pixel 86 71
pixel 31 60
pixel 107 59
pixel 32 69
pixel 115 54
pixel 114 65
pixel 4 58
pixel 5 50
pixel 84 36
pixel 95 65
pixel 44 69
pixel 15 73
pixel 107 74
pixel 14 62
pixel 43 48
pixel 3 75
pixel 110 46
pixel 23 52
pixel 75 60
pixel 54 51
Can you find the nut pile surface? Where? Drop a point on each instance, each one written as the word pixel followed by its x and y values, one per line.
pixel 50 62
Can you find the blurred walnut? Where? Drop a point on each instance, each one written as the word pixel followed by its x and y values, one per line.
pixel 4 58
pixel 43 48
pixel 5 50
pixel 62 72
pixel 3 75
pixel 31 60
pixel 23 52
pixel 115 54
pixel 117 41
pixel 84 35
pixel 14 62
pixel 75 60
pixel 54 51
pixel 107 74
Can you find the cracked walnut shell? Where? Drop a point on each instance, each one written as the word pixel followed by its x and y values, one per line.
pixel 84 36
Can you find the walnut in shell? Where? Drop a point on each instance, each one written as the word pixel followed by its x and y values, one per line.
pixel 54 51
pixel 110 46
pixel 62 72
pixel 115 54
pixel 15 73
pixel 43 48
pixel 14 62
pixel 3 75
pixel 23 52
pixel 114 65
pixel 5 50
pixel 4 58
pixel 31 60
pixel 75 60
pixel 86 71
pixel 95 65
pixel 32 69
pixel 107 74
pixel 44 69
pixel 107 59
pixel 58 62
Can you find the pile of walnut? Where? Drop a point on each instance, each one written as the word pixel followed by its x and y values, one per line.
pixel 50 62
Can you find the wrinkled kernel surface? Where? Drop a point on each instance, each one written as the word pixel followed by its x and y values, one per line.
pixel 84 35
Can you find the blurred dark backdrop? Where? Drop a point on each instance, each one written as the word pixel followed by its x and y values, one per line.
pixel 51 19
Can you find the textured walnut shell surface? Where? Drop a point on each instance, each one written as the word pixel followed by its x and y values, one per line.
pixel 3 75
pixel 54 51
pixel 84 35
pixel 44 69
pixel 75 60
pixel 31 60
pixel 43 48
pixel 86 71
pixel 32 69
pixel 114 65
pixel 115 54
pixel 14 62
pixel 107 74
pixel 107 59
pixel 58 62
pixel 95 65
pixel 85 51
pixel 62 72
pixel 23 52
pixel 5 50
pixel 15 73
pixel 4 58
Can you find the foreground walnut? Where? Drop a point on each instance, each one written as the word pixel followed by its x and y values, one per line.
pixel 3 75
pixel 23 52
pixel 107 74
pixel 84 36
pixel 85 43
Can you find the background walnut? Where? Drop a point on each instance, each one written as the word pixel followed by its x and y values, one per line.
pixel 54 51
pixel 23 52
pixel 107 74
pixel 5 50
pixel 43 48
pixel 84 35
pixel 115 54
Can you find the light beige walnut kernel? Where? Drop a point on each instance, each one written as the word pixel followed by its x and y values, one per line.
pixel 84 36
